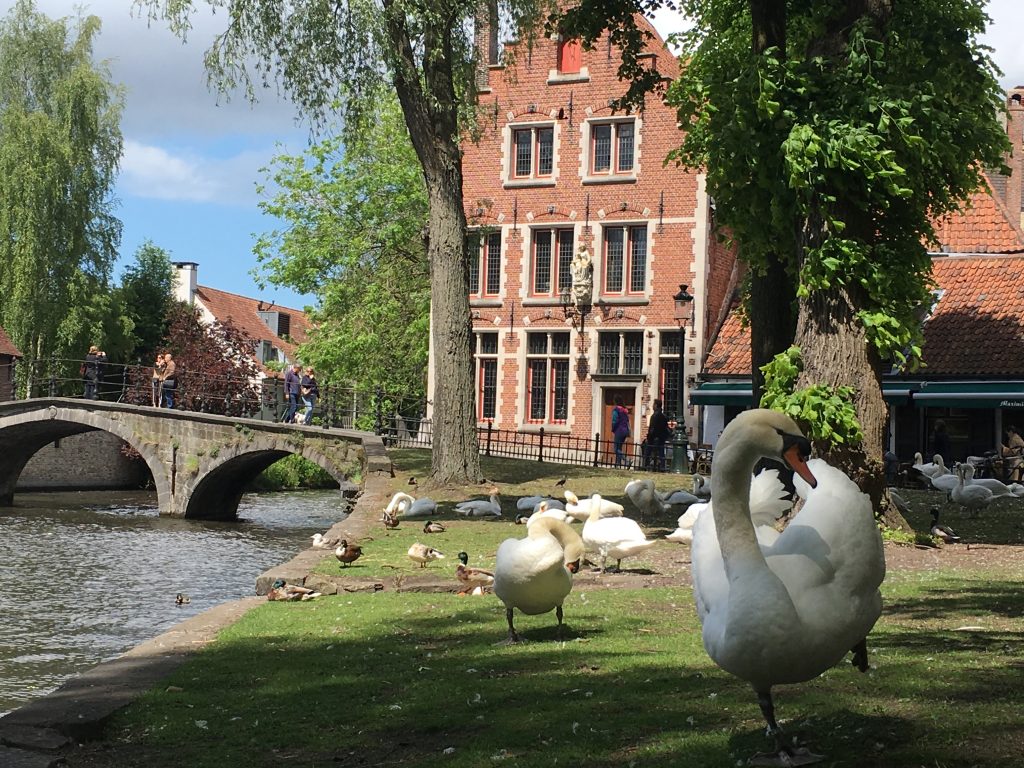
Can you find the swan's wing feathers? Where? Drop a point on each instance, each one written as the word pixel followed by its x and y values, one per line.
pixel 768 500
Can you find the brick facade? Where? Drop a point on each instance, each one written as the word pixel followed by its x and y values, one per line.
pixel 552 170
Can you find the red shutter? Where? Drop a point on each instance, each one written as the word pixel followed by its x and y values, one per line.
pixel 569 57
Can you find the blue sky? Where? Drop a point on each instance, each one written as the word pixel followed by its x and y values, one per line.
pixel 192 158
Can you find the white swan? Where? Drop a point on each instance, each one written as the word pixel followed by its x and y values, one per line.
pixel 580 510
pixel 944 481
pixel 535 574
pixel 786 612
pixel 529 503
pixel 999 489
pixel 930 469
pixel 481 507
pixel 973 498
pixel 676 498
pixel 424 506
pixel 768 502
pixel 684 525
pixel 545 511
pixel 701 487
pixel 645 497
pixel 617 537
pixel 399 501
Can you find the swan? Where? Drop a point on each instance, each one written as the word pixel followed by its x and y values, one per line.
pixel 470 578
pixel 675 498
pixel 787 611
pixel 701 487
pixel 684 525
pixel 898 501
pixel 529 503
pixel 768 502
pixel 617 537
pixel 940 531
pixel 944 482
pixel 421 507
pixel 932 468
pixel 999 489
pixel 580 510
pixel 398 503
pixel 973 498
pixel 535 574
pixel 645 497
pixel 422 554
pixel 545 511
pixel 481 507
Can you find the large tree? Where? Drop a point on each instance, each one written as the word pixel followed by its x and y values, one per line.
pixel 354 213
pixel 833 134
pixel 60 144
pixel 327 52
pixel 146 294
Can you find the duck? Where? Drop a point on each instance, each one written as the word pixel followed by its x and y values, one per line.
pixel 472 579
pixel 618 537
pixel 701 487
pixel 973 498
pixel 389 520
pixel 481 507
pixel 348 553
pixel 422 554
pixel 285 592
pixel 786 611
pixel 580 510
pixel 940 531
pixel 645 497
pixel 432 526
pixel 534 574
pixel 322 542
pixel 182 599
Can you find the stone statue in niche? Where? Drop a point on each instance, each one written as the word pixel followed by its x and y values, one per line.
pixel 582 269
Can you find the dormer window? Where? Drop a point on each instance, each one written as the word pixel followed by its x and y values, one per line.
pixel 533 152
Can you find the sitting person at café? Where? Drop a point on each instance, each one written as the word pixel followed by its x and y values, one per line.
pixel 1012 452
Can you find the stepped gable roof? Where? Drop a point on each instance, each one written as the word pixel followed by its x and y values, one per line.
pixel 982 226
pixel 7 346
pixel 730 354
pixel 243 313
pixel 977 326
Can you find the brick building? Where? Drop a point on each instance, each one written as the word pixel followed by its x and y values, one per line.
pixel 554 171
pixel 8 355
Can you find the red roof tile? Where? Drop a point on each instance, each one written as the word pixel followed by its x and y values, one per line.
pixel 243 313
pixel 7 346
pixel 981 227
pixel 730 355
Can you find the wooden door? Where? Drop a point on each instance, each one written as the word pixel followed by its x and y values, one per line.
pixel 607 438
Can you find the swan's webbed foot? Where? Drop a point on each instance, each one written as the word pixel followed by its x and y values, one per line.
pixel 860 655
pixel 513 636
pixel 785 754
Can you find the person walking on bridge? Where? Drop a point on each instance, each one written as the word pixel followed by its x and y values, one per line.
pixel 292 387
pixel 310 394
pixel 169 382
pixel 92 370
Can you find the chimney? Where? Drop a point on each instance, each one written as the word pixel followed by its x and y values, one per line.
pixel 485 41
pixel 1015 160
pixel 185 280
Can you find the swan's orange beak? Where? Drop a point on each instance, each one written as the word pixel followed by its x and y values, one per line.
pixel 795 459
pixel 573 567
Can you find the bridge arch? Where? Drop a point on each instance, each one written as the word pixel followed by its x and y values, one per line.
pixel 24 434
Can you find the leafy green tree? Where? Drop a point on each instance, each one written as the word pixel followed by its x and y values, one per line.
pixel 60 144
pixel 325 52
pixel 833 134
pixel 354 216
pixel 146 294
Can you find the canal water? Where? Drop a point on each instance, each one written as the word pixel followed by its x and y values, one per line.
pixel 86 576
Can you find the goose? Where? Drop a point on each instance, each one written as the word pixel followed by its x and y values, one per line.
pixel 787 611
pixel 285 592
pixel 768 502
pixel 322 542
pixel 432 526
pixel 422 554
pixel 348 553
pixel 940 531
pixel 534 574
pixel 645 497
pixel 472 579
pixel 701 487
pixel 480 507
pixel 973 498
pixel 580 510
pixel 617 537
pixel 999 489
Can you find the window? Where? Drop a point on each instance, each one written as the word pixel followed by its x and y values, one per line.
pixel 668 362
pixel 620 353
pixel 547 371
pixel 486 375
pixel 552 255
pixel 625 259
pixel 533 152
pixel 569 57
pixel 487 262
pixel 611 147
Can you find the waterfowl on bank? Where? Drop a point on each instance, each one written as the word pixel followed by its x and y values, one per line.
pixel 929 469
pixel 472 579
pixel 546 510
pixel 481 507
pixel 999 489
pixel 940 531
pixel 973 498
pixel 580 510
pixel 348 553
pixel 432 526
pixel 615 537
pixel 679 498
pixel 182 599
pixel 534 574
pixel 422 554
pixel 285 592
pixel 701 487
pixel 645 497
pixel 389 520
pixel 787 611
pixel 322 542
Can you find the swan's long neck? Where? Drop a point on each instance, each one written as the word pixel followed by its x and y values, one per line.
pixel 730 494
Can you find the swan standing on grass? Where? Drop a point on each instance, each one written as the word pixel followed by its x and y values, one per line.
pixel 973 498
pixel 788 611
pixel 998 488
pixel 535 574
pixel 617 537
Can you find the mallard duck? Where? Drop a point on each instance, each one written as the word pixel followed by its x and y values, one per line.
pixel 472 579
pixel 281 590
pixel 941 532
pixel 617 537
pixel 182 599
pixel 422 554
pixel 788 611
pixel 389 520
pixel 535 574
pixel 432 526
pixel 481 508
pixel 322 542
pixel 348 553
pixel 580 510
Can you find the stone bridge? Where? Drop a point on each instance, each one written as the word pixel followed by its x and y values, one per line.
pixel 200 463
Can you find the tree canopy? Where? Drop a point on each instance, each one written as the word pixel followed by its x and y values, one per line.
pixel 146 294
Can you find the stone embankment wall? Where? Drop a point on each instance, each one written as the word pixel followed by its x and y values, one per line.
pixel 91 461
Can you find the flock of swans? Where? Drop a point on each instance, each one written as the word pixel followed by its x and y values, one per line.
pixel 961 486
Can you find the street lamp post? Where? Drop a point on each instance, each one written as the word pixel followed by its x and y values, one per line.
pixel 683 314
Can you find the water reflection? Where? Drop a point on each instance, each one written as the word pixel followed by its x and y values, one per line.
pixel 89 575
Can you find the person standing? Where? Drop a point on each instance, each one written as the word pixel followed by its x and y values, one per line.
pixel 158 372
pixel 169 382
pixel 1012 452
pixel 310 394
pixel 620 430
pixel 940 441
pixel 292 387
pixel 658 434
pixel 90 371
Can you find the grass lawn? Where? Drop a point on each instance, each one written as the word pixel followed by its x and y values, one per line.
pixel 411 679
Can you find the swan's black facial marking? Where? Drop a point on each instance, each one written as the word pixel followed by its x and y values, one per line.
pixel 573 567
pixel 795 451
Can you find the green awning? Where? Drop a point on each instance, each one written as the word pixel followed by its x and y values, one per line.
pixel 739 393
pixel 970 394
